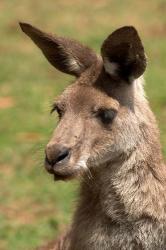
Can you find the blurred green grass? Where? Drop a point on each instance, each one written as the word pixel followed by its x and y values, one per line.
pixel 33 209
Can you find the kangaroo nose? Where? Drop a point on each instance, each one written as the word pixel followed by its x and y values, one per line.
pixel 56 154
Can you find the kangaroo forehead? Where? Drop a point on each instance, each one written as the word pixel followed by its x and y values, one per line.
pixel 79 95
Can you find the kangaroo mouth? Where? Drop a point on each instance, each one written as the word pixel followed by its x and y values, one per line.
pixel 64 174
pixel 60 171
pixel 63 177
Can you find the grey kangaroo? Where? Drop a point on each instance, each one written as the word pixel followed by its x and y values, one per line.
pixel 108 137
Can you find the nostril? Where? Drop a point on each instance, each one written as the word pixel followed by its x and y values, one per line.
pixel 63 154
pixel 57 155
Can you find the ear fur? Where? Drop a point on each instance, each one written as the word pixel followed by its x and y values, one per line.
pixel 67 55
pixel 123 54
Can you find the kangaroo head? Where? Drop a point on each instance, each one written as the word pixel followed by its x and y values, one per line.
pixel 99 114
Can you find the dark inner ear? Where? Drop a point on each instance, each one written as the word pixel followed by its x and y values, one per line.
pixel 123 49
pixel 67 55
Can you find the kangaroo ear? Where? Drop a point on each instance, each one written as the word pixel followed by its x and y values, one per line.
pixel 64 54
pixel 123 54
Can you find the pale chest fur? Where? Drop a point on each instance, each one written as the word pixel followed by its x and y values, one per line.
pixel 99 232
pixel 116 215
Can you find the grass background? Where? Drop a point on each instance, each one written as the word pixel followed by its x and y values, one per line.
pixel 33 209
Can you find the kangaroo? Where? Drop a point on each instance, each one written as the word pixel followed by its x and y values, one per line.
pixel 108 137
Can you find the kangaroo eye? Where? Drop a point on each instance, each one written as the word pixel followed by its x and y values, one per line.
pixel 58 110
pixel 106 115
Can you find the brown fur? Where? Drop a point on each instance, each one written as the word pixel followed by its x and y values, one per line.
pixel 113 140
